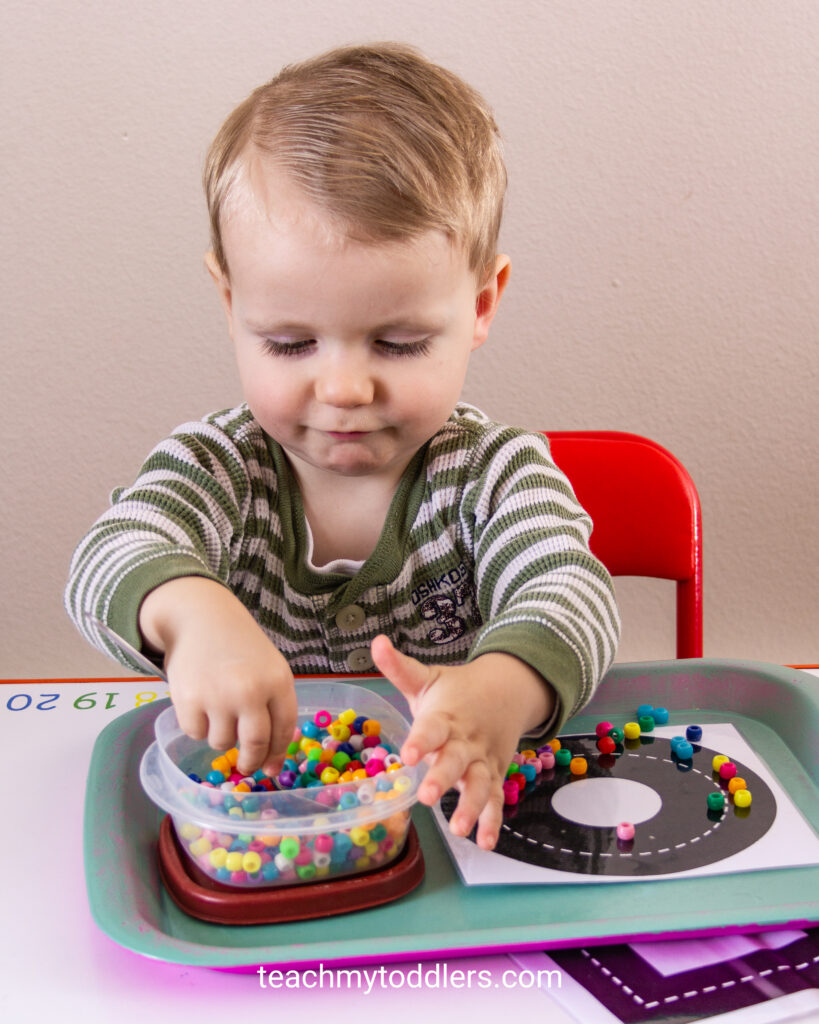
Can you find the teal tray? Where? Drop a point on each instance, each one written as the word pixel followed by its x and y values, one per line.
pixel 776 709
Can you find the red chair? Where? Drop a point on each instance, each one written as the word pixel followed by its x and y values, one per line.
pixel 646 514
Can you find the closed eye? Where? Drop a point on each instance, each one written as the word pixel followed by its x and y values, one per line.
pixel 287 348
pixel 404 349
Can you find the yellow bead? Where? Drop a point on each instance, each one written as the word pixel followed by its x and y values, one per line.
pixel 347 717
pixel 402 784
pixel 360 836
pixel 200 846
pixel 395 767
pixel 329 776
pixel 718 760
pixel 221 764
pixel 360 773
pixel 631 730
pixel 190 831
pixel 217 857
pixel 742 798
pixel 233 756
pixel 236 812
pixel 251 862
pixel 371 847
pixel 233 861
pixel 339 731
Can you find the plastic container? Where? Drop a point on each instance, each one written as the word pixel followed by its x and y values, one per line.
pixel 321 838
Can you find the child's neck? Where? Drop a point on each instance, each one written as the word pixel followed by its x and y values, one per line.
pixel 346 515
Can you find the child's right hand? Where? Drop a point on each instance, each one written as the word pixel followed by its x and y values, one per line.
pixel 228 682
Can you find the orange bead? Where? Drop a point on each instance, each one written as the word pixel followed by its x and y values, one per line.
pixel 735 784
pixel 578 766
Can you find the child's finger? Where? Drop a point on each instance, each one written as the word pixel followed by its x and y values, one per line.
pixel 490 820
pixel 405 673
pixel 221 731
pixel 283 714
pixel 475 787
pixel 429 732
pixel 254 740
pixel 448 768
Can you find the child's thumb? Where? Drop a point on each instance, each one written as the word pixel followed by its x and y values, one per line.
pixel 405 673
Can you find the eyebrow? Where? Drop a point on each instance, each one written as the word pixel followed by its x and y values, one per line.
pixel 398 327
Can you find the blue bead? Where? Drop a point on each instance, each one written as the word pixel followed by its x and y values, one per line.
pixel 383 784
pixel 676 741
pixel 684 751
pixel 310 729
pixel 258 788
pixel 660 716
pixel 217 778
pixel 346 748
pixel 223 875
pixel 237 844
pixel 194 777
pixel 269 871
pixel 313 783
pixel 644 709
pixel 528 771
pixel 258 775
pixel 250 804
pixel 358 724
pixel 347 801
pixel 693 733
pixel 342 843
pixel 229 801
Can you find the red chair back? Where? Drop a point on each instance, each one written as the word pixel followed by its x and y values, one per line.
pixel 646 514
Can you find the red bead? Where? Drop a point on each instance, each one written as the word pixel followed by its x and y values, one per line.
pixel 606 745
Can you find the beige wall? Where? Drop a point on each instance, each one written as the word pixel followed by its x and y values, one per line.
pixel 662 221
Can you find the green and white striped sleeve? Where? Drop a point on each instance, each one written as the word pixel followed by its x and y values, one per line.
pixel 543 596
pixel 179 518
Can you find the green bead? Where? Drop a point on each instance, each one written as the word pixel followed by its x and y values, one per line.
pixel 646 723
pixel 340 760
pixel 289 847
pixel 563 757
pixel 306 871
pixel 378 833
pixel 616 735
pixel 716 801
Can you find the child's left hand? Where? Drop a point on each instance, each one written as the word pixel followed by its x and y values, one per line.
pixel 467 723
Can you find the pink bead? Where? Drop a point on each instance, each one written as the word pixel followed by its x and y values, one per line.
pixel 625 831
pixel 380 752
pixel 727 770
pixel 323 796
pixel 371 741
pixel 238 876
pixel 603 728
pixel 535 762
pixel 304 856
pixel 256 845
pixel 547 760
pixel 374 766
pixel 323 844
pixel 511 792
pixel 517 758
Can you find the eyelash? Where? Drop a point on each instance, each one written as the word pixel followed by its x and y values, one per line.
pixel 391 349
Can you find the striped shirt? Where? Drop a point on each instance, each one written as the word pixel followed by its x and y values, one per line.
pixel 484 548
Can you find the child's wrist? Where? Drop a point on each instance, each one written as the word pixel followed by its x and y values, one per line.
pixel 166 609
pixel 534 697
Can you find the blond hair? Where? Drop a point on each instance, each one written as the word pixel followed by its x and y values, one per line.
pixel 387 142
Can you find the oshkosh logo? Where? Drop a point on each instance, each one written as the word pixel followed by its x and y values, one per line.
pixel 442 608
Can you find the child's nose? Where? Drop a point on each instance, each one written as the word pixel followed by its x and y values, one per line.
pixel 345 387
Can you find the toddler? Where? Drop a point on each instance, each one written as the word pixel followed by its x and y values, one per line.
pixel 351 514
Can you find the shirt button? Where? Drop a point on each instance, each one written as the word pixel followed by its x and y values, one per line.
pixel 350 618
pixel 360 660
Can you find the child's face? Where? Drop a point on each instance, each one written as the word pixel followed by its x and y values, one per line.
pixel 351 355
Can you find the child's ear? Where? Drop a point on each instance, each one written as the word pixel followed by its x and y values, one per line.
pixel 486 303
pixel 221 281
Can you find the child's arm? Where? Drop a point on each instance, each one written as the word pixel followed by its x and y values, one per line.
pixel 228 682
pixel 467 723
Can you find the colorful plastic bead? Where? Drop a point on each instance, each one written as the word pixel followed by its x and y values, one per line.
pixel 684 751
pixel 660 716
pixel 606 745
pixel 616 734
pixel 646 723
pixel 716 801
pixel 631 730
pixel 578 766
pixel 511 792
pixel 719 759
pixel 563 757
pixel 625 831
pixel 742 798
pixel 736 783
pixel 727 770
pixel 602 729
pixel 693 733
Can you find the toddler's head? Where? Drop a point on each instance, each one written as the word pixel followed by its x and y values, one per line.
pixel 385 142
